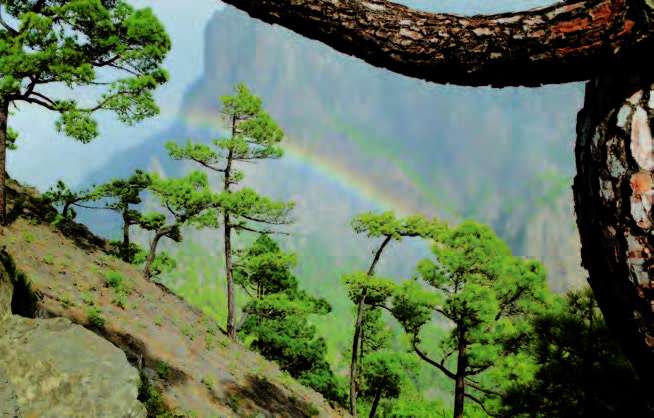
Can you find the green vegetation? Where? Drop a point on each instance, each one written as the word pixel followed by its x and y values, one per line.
pixel 254 136
pixel 121 196
pixel 277 317
pixel 189 201
pixel 95 318
pixel 61 195
pixel 68 43
pixel 120 287
pixel 487 296
pixel 580 367
pixel 370 292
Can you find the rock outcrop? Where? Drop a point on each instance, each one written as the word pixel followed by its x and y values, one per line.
pixel 54 368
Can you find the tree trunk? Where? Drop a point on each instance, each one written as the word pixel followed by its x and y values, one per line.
pixel 375 403
pixel 126 242
pixel 614 194
pixel 459 381
pixel 357 339
pixel 152 255
pixel 4 115
pixel 354 363
pixel 231 304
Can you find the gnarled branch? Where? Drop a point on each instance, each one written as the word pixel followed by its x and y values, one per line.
pixel 566 42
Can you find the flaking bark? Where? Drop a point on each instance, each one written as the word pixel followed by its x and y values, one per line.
pixel 565 42
pixel 614 195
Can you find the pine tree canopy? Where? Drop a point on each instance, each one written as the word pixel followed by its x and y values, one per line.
pixel 109 45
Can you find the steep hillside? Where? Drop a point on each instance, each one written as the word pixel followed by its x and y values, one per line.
pixel 187 365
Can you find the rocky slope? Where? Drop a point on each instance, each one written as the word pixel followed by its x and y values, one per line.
pixel 187 366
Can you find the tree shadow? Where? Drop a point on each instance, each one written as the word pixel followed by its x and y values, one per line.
pixel 269 398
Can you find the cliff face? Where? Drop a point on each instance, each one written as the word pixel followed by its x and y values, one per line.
pixel 58 368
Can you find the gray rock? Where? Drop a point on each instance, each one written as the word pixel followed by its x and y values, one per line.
pixel 57 369
pixel 8 399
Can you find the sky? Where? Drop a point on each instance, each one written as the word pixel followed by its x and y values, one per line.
pixel 40 146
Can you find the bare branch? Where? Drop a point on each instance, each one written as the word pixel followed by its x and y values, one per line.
pixel 6 25
pixel 33 100
pixel 478 402
pixel 267 221
pixel 258 231
pixel 439 366
pixel 209 166
pixel 481 389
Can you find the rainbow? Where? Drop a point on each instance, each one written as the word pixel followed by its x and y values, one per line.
pixel 334 170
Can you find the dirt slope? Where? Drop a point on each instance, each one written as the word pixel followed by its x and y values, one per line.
pixel 189 366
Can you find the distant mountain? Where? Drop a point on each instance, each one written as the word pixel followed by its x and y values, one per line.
pixel 362 138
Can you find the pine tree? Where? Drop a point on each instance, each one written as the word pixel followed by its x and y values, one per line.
pixel 188 201
pixel 254 136
pixel 121 195
pixel 382 373
pixel 276 320
pixel 581 370
pixel 61 195
pixel 365 289
pixel 74 43
pixel 487 295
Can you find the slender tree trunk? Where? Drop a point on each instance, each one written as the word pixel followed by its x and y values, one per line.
pixel 64 211
pixel 126 242
pixel 375 403
pixel 357 340
pixel 147 273
pixel 614 194
pixel 354 362
pixel 459 381
pixel 4 115
pixel 231 303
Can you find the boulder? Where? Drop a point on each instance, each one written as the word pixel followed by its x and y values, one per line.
pixel 54 368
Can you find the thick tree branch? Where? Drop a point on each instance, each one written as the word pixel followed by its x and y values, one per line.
pixel 258 231
pixel 34 100
pixel 478 387
pixel 6 25
pixel 439 366
pixel 478 402
pixel 570 41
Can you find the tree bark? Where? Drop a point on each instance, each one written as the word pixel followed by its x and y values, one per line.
pixel 375 404
pixel 229 268
pixel 231 304
pixel 614 195
pixel 357 340
pixel 147 273
pixel 354 362
pixel 565 42
pixel 126 240
pixel 4 115
pixel 459 380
